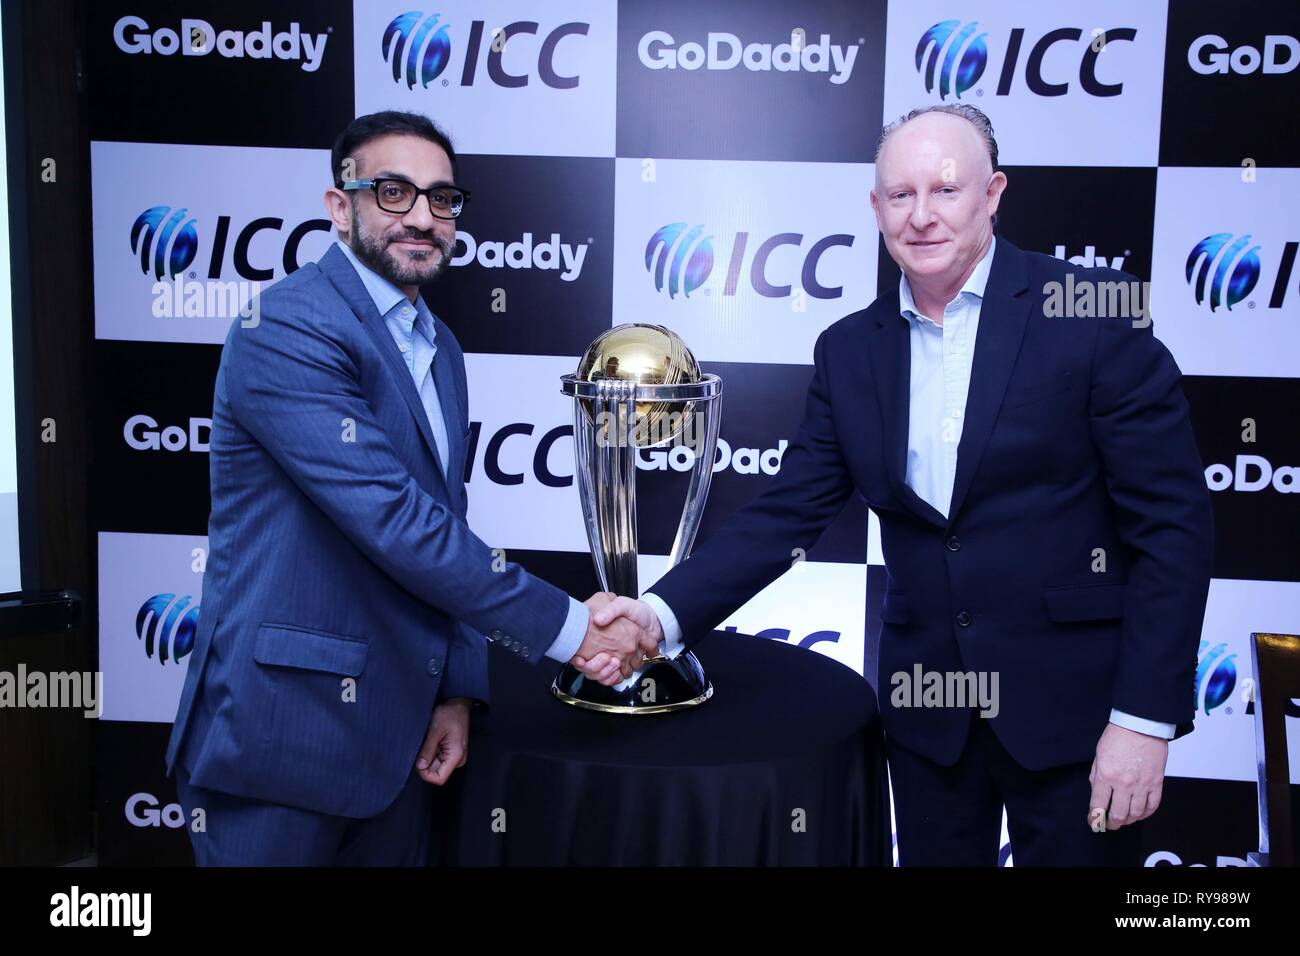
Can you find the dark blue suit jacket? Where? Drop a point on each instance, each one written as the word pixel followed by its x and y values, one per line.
pixel 1076 437
pixel 338 551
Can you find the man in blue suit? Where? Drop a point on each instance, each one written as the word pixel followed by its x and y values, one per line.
pixel 345 600
pixel 1044 518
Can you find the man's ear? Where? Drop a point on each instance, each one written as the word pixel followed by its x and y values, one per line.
pixel 997 185
pixel 338 206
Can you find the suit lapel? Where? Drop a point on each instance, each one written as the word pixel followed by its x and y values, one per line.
pixel 891 365
pixel 1004 313
pixel 340 272
pixel 452 413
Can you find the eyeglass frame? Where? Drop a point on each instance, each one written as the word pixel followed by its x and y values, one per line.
pixel 353 185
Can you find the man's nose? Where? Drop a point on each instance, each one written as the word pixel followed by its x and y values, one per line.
pixel 921 213
pixel 421 215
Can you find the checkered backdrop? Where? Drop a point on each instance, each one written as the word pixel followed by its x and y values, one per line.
pixel 704 166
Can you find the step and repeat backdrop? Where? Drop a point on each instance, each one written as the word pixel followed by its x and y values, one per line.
pixel 598 136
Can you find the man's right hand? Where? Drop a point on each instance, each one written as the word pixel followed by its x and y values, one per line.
pixel 611 611
pixel 615 646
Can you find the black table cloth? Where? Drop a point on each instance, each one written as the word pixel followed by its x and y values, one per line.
pixel 784 766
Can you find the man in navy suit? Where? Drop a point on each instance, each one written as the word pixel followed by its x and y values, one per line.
pixel 1044 518
pixel 345 600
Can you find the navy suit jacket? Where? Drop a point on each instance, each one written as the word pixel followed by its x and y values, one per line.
pixel 1076 437
pixel 339 561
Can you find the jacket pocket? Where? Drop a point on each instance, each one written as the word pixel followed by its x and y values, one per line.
pixel 284 645
pixel 1085 602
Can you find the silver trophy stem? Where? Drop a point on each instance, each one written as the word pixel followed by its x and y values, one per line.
pixel 616 485
pixel 627 479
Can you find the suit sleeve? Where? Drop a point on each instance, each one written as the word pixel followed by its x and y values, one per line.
pixel 467 667
pixel 1143 432
pixel 294 385
pixel 758 543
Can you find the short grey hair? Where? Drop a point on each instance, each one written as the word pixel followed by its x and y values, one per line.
pixel 971 114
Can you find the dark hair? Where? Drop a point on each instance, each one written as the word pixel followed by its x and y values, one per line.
pixel 373 125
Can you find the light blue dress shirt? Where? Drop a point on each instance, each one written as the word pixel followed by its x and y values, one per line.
pixel 413 331
pixel 941 358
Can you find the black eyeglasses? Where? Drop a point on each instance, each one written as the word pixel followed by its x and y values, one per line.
pixel 398 196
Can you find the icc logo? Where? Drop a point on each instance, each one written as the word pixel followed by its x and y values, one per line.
pixel 951 58
pixel 418 48
pixel 1235 274
pixel 680 258
pixel 1216 676
pixel 964 58
pixel 170 241
pixel 167 625
pixel 167 243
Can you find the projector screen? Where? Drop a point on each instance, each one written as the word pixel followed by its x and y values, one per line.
pixel 10 565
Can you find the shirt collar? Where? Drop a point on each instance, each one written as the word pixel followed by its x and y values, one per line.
pixel 383 293
pixel 975 284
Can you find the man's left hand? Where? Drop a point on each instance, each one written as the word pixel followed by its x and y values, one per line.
pixel 1127 775
pixel 446 745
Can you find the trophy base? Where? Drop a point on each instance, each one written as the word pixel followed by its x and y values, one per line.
pixel 678 684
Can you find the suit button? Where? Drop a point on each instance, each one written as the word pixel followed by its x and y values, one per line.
pixel 506 642
pixel 434 667
pixel 525 652
pixel 495 636
pixel 954 544
pixel 963 618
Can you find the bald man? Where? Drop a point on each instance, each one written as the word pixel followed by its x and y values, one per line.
pixel 1044 516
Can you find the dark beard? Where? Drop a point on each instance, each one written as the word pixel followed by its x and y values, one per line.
pixel 373 251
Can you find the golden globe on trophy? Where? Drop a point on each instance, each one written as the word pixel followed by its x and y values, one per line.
pixel 638 386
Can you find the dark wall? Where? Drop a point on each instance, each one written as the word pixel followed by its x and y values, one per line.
pixel 46 755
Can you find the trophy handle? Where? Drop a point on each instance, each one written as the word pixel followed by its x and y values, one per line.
pixel 697 492
pixel 584 440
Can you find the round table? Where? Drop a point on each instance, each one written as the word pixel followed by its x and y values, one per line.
pixel 784 766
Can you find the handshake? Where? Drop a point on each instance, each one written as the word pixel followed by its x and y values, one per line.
pixel 623 634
